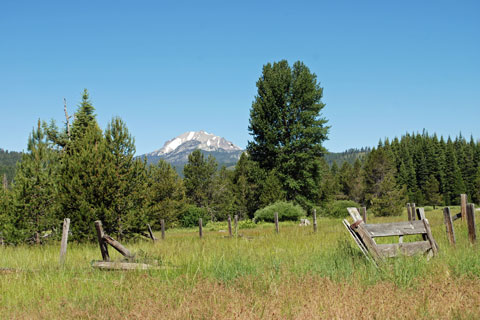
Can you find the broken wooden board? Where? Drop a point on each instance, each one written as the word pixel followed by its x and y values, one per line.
pixel 112 265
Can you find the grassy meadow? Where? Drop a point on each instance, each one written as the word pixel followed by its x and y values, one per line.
pixel 296 274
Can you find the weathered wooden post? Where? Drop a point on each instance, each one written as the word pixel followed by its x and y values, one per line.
pixel 449 225
pixel 200 227
pixel 472 234
pixel 463 206
pixel 364 214
pixel 409 212
pixel 162 223
pixel 229 225
pixel 276 222
pixel 63 244
pixel 314 220
pixel 101 242
pixel 235 218
pixel 150 232
pixel 421 214
pixel 414 212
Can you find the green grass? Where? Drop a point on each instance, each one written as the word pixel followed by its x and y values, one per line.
pixel 42 288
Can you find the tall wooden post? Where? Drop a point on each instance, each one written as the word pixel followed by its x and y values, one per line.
pixel 364 214
pixel 414 212
pixel 162 223
pixel 229 225
pixel 200 227
pixel 236 224
pixel 63 244
pixel 472 233
pixel 449 225
pixel 101 242
pixel 314 220
pixel 276 222
pixel 409 212
pixel 463 206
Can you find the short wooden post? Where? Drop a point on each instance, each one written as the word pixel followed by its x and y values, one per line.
pixel 463 206
pixel 364 214
pixel 101 242
pixel 472 234
pixel 414 212
pixel 200 227
pixel 449 225
pixel 235 218
pixel 409 212
pixel 276 222
pixel 63 244
pixel 314 220
pixel 229 225
pixel 162 223
pixel 150 232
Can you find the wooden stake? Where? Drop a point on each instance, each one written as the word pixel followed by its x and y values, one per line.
pixel 364 214
pixel 200 227
pixel 276 222
pixel 314 220
pixel 162 223
pixel 409 212
pixel 236 224
pixel 421 213
pixel 472 234
pixel 117 246
pixel 414 212
pixel 150 232
pixel 230 226
pixel 63 244
pixel 449 225
pixel 463 206
pixel 101 242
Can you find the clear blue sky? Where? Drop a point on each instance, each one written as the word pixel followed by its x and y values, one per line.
pixel 167 67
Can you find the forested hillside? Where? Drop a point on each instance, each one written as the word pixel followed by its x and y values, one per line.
pixel 8 162
pixel 349 156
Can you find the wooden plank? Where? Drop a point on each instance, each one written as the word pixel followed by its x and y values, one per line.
pixel 229 225
pixel 413 211
pixel 358 241
pixel 200 227
pixel 457 216
pixel 63 244
pixel 276 222
pixel 353 212
pixel 110 265
pixel 101 241
pixel 118 246
pixel 421 213
pixel 367 240
pixel 162 224
pixel 395 229
pixel 406 248
pixel 430 237
pixel 150 232
pixel 314 220
pixel 463 206
pixel 449 225
pixel 409 212
pixel 472 233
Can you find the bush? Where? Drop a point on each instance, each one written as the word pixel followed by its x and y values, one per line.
pixel 338 209
pixel 191 214
pixel 287 211
pixel 246 224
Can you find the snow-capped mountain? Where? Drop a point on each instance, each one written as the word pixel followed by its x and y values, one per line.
pixel 176 150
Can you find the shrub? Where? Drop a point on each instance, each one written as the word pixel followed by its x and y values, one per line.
pixel 338 209
pixel 287 211
pixel 246 224
pixel 191 214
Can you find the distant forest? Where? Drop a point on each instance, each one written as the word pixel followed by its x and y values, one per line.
pixel 8 162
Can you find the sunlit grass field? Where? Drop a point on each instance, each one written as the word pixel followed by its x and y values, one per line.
pixel 296 274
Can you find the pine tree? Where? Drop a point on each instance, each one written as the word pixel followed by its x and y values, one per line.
pixel 288 129
pixel 199 178
pixel 454 185
pixel 432 192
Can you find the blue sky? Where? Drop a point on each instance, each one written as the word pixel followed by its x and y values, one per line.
pixel 167 67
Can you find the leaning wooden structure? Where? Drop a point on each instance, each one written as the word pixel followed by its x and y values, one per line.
pixel 365 234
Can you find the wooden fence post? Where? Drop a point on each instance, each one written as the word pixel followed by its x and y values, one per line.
pixel 364 214
pixel 414 211
pixel 472 234
pixel 150 232
pixel 409 212
pixel 421 214
pixel 314 220
pixel 229 225
pixel 235 218
pixel 200 227
pixel 276 222
pixel 63 244
pixel 463 206
pixel 162 223
pixel 101 242
pixel 449 225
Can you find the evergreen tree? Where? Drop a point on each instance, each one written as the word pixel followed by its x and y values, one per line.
pixel 288 129
pixel 432 192
pixel 454 185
